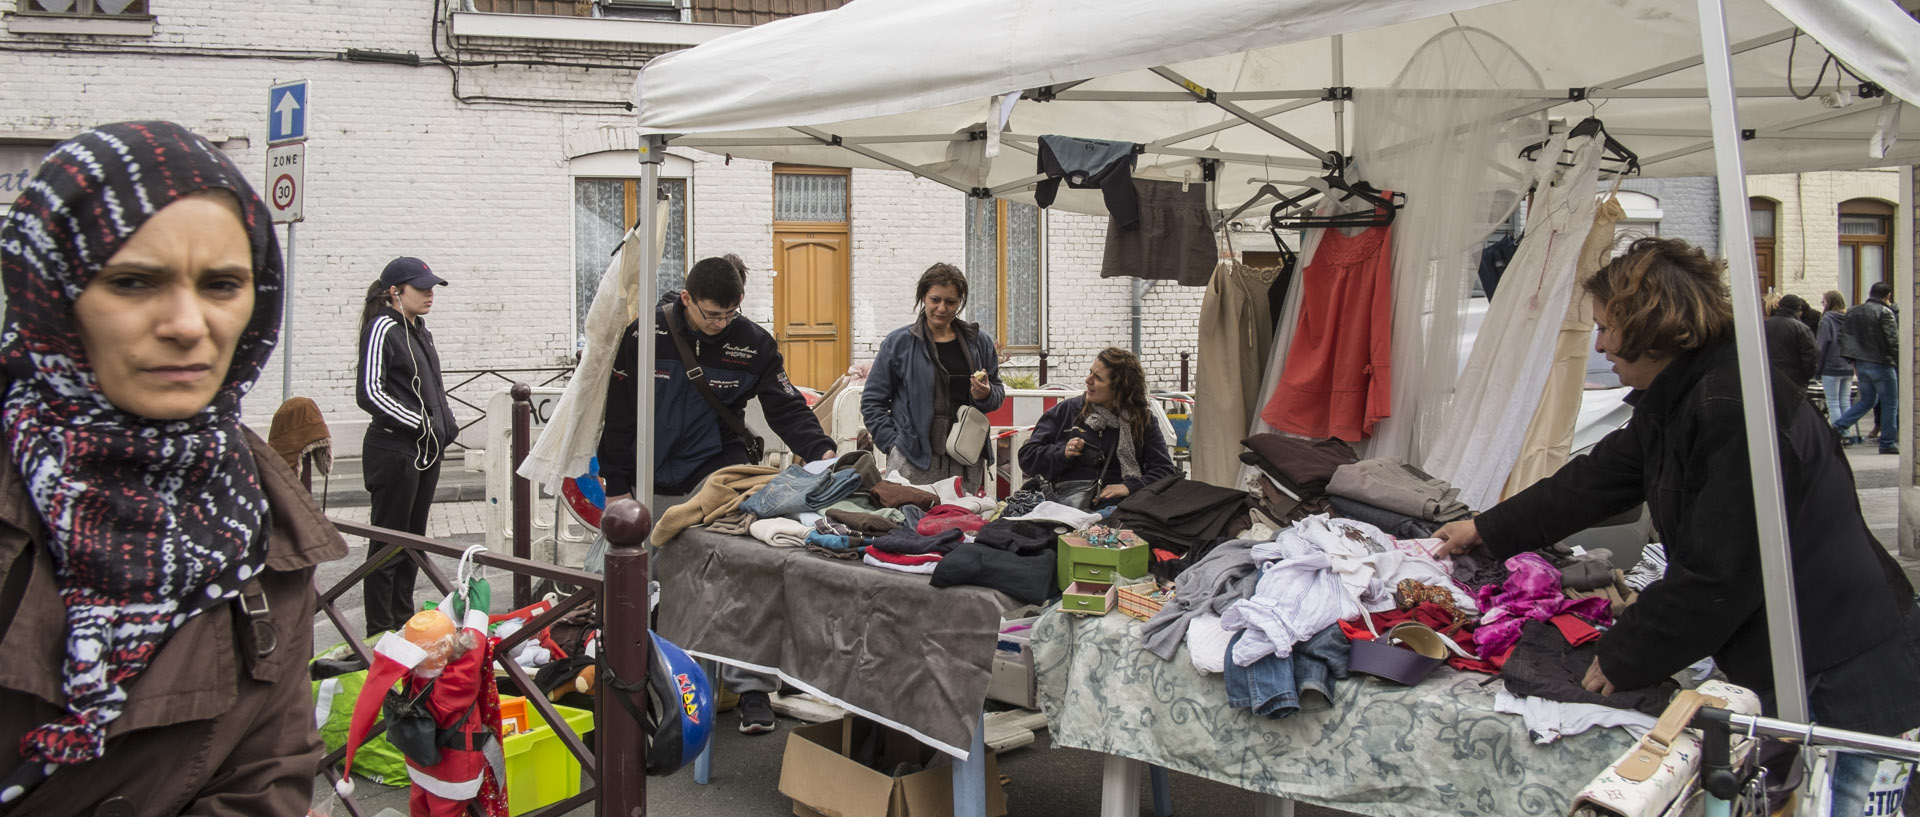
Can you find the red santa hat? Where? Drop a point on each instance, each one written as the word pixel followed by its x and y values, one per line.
pixel 393 657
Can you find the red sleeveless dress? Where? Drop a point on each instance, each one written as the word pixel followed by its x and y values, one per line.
pixel 1338 378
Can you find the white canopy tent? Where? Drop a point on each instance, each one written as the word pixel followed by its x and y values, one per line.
pixel 1259 90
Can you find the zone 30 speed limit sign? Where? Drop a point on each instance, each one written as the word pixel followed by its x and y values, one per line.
pixel 286 181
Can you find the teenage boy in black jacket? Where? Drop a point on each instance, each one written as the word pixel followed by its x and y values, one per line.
pixel 741 361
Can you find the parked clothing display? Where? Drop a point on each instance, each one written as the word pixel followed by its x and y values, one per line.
pixel 923 565
pixel 948 517
pixel 1019 537
pixel 1530 593
pixel 1396 486
pixel 867 523
pixel 1548 721
pixel 1546 663
pixel 1087 164
pixel 1177 514
pixel 1276 687
pixel 1227 575
pixel 895 495
pixel 733 524
pixel 1027 578
pixel 1235 337
pixel 722 493
pixel 1171 241
pixel 797 490
pixel 1499 390
pixel 1338 380
pixel 1305 466
pixel 906 542
pixel 1298 594
pixel 1549 440
pixel 781 532
pixel 1397 524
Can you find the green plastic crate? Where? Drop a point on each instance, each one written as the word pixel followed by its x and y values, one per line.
pixel 540 770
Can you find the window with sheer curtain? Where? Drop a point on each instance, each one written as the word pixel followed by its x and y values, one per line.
pixel 603 211
pixel 1005 272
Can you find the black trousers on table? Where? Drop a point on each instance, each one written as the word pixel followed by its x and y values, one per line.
pixel 402 495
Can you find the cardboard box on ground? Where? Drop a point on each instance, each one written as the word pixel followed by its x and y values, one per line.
pixel 823 779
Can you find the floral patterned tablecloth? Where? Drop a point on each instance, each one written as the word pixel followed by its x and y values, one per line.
pixel 1434 750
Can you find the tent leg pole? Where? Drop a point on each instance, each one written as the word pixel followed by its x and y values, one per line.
pixel 653 151
pixel 1903 255
pixel 1736 236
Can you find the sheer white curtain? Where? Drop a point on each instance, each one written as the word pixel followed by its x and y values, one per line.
pixel 1444 133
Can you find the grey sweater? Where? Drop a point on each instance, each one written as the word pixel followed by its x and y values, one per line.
pixel 1225 576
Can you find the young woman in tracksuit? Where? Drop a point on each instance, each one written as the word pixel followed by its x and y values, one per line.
pixel 399 385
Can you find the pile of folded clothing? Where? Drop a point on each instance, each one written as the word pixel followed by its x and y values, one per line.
pixel 1294 472
pixel 1395 497
pixel 1176 514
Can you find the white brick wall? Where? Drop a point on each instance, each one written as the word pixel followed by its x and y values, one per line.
pixel 482 191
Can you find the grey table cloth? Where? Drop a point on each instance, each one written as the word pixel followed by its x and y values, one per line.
pixel 1434 750
pixel 878 642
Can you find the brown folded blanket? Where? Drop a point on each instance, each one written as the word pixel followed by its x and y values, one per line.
pixel 895 495
pixel 733 524
pixel 863 522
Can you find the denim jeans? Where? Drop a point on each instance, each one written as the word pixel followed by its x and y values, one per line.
pixel 1839 389
pixel 1277 687
pixel 1878 387
pixel 1851 781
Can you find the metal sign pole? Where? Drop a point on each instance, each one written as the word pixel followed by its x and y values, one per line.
pixel 286 325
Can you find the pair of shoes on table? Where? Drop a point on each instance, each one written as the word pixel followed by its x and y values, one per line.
pixel 756 713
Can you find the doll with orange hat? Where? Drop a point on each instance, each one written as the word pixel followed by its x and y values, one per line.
pixel 445 717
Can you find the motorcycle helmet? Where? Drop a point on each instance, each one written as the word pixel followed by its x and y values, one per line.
pixel 679 709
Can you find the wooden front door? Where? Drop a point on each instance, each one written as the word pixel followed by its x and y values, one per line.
pixel 811 305
pixel 812 284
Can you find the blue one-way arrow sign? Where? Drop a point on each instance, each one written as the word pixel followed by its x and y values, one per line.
pixel 287 112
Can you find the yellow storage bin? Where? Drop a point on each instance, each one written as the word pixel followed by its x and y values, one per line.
pixel 540 769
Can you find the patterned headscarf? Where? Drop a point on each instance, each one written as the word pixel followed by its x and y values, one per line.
pixel 149 522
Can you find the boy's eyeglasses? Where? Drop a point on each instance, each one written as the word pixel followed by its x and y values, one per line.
pixel 717 317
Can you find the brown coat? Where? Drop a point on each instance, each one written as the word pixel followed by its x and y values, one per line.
pixel 205 731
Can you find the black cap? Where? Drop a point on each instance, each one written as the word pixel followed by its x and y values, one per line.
pixel 409 270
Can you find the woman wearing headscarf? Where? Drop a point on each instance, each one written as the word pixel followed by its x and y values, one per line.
pixel 1665 322
pixel 156 556
pixel 923 374
pixel 1107 434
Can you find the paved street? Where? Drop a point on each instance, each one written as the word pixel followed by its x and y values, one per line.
pixel 1058 783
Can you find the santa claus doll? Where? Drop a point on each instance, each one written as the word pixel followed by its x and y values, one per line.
pixel 445 717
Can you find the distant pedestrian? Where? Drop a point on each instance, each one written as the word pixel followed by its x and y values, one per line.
pixel 1836 372
pixel 1789 345
pixel 1870 337
pixel 400 386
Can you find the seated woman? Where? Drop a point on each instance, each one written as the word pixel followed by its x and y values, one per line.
pixel 156 557
pixel 1666 324
pixel 922 375
pixel 1107 434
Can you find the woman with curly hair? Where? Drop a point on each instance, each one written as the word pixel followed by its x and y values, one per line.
pixel 1107 434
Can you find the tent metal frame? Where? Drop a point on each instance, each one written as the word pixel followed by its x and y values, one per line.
pixel 1724 137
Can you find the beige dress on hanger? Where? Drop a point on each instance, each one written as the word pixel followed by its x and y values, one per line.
pixel 1549 441
pixel 1236 332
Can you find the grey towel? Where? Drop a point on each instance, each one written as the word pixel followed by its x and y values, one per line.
pixel 1393 485
pixel 1227 575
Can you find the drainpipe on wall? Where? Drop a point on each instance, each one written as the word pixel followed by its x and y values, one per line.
pixel 1140 289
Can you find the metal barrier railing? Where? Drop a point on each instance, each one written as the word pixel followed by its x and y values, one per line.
pixel 617 765
pixel 546 375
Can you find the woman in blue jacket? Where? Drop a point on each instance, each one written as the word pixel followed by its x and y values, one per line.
pixel 925 371
pixel 1107 434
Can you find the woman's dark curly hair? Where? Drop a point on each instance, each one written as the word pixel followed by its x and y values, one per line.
pixel 1663 297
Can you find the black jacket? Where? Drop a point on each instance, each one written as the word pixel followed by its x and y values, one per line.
pixel 1826 343
pixel 690 441
pixel 1871 333
pixel 1684 453
pixel 1045 452
pixel 400 385
pixel 1791 349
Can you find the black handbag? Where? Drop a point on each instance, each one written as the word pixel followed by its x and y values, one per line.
pixel 1080 494
pixel 410 726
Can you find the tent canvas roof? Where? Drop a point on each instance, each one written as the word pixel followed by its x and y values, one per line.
pixel 895 80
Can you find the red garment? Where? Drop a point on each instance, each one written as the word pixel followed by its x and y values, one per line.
pixel 466 686
pixel 1433 616
pixel 899 559
pixel 1575 629
pixel 1337 381
pixel 947 517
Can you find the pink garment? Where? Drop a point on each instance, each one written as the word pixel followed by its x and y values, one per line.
pixel 1530 593
pixel 948 517
pixel 1338 379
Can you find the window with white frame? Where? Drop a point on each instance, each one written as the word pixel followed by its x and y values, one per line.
pixel 95 9
pixel 603 211
pixel 1006 280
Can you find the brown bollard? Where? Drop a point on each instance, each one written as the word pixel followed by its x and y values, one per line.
pixel 626 643
pixel 522 491
pixel 1185 360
